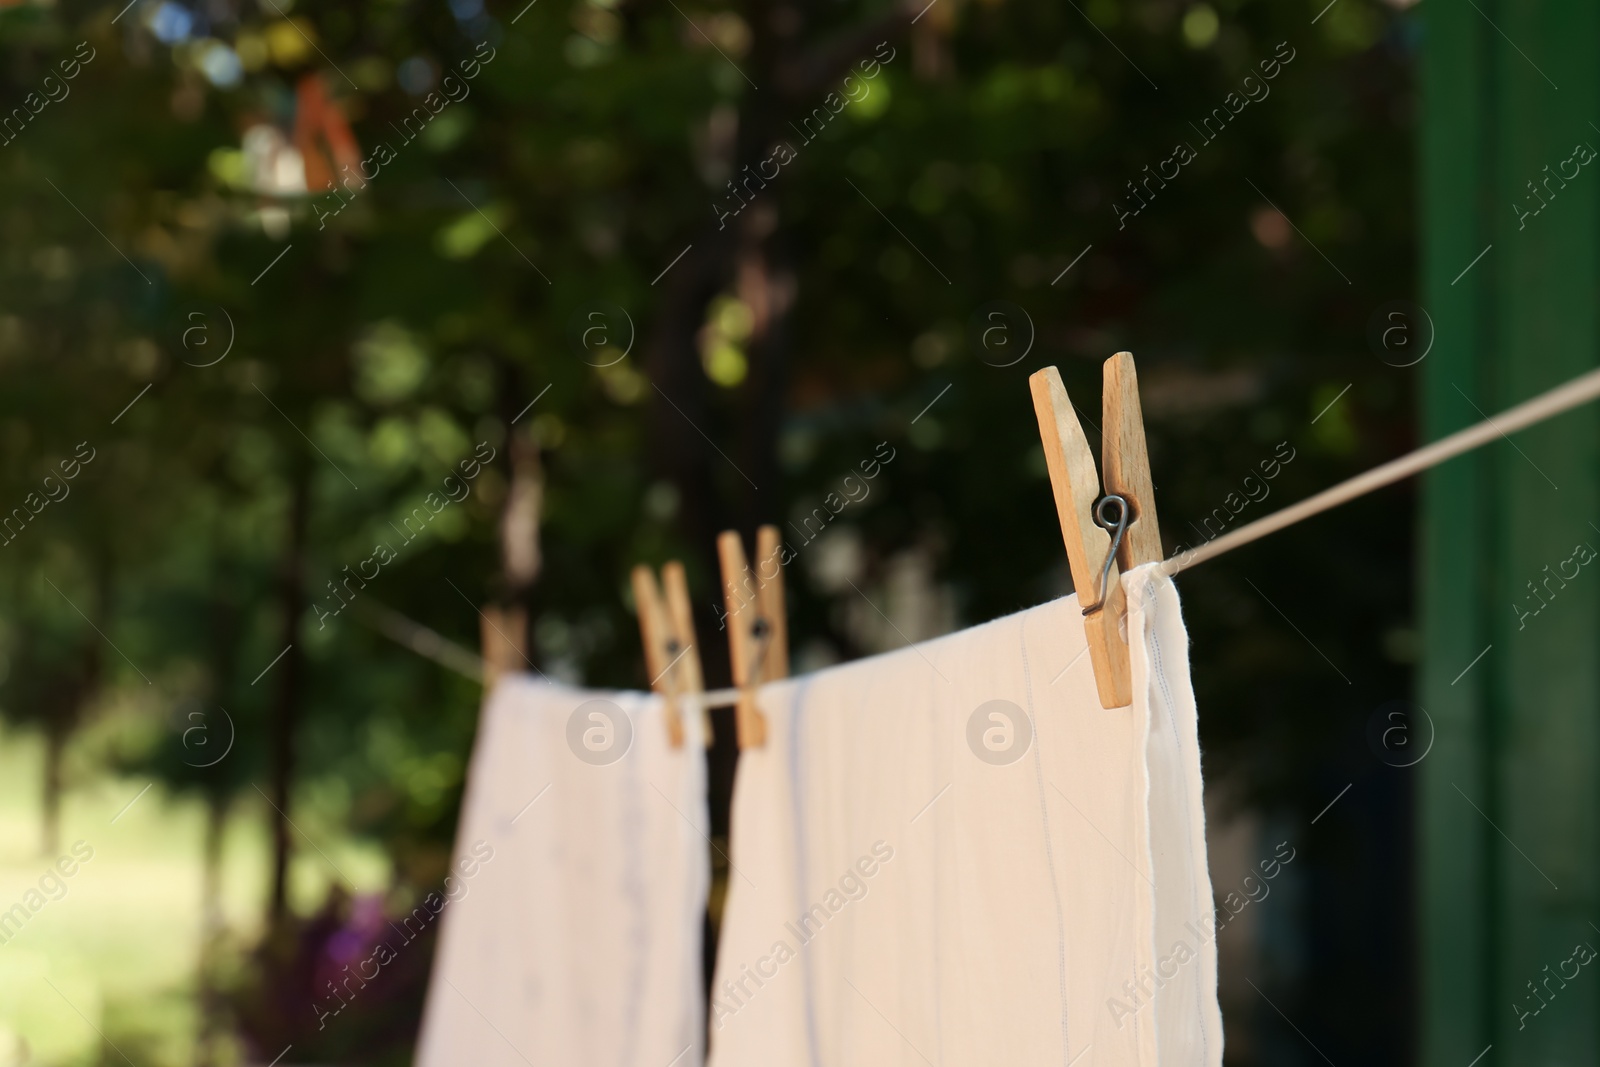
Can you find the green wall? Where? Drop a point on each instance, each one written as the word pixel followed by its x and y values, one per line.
pixel 1512 889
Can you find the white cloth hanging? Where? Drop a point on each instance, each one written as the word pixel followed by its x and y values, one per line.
pixel 579 941
pixel 953 855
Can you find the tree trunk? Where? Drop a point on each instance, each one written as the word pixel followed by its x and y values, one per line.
pixel 286 713
pixel 523 511
pixel 211 925
pixel 55 743
pixel 679 412
pixel 763 284
pixel 66 703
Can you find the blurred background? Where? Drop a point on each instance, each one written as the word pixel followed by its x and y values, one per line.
pixel 331 330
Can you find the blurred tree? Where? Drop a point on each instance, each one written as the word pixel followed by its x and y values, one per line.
pixel 789 220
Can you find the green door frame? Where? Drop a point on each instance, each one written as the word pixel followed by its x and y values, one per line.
pixel 1508 807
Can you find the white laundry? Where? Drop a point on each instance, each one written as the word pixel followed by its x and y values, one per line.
pixel 922 876
pixel 580 942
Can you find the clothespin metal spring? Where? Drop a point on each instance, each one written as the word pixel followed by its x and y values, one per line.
pixel 1117 526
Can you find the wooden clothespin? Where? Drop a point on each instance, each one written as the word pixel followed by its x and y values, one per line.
pixel 758 635
pixel 1102 537
pixel 503 634
pixel 667 629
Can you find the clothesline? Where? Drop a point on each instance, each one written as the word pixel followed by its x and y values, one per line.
pixel 1580 390
pixel 1565 397
pixel 424 642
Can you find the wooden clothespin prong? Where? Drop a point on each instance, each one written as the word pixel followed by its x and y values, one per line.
pixel 1076 485
pixel 757 628
pixel 655 631
pixel 680 617
pixel 1127 462
pixel 769 594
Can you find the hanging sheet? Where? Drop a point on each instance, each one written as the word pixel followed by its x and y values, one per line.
pixel 578 941
pixel 952 854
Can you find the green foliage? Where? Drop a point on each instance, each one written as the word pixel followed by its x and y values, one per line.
pixel 375 345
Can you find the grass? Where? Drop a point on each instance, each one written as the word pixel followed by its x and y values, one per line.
pixel 108 972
